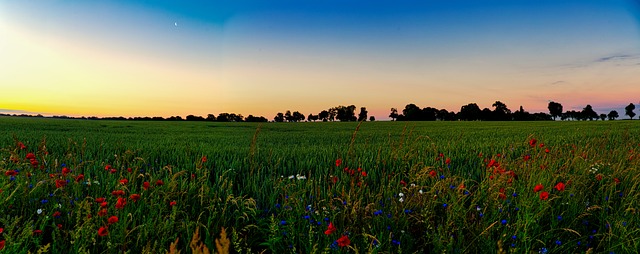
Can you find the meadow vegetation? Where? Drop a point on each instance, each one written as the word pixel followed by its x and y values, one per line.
pixel 327 187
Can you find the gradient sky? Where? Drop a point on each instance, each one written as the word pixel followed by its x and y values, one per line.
pixel 164 58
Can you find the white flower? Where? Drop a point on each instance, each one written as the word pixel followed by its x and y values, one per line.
pixel 39 211
pixel 401 200
pixel 421 192
pixel 413 185
pixel 300 177
pixel 401 194
pixel 291 177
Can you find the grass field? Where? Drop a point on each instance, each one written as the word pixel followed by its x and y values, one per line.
pixel 386 187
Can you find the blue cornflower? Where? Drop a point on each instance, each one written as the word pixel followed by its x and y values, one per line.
pixel 44 201
pixel 407 211
pixel 624 223
pixel 12 178
pixel 278 205
pixel 444 205
pixel 543 251
pixel 558 242
pixel 389 215
pixel 504 222
pixel 283 222
pixel 514 194
pixel 559 217
pixel 306 217
pixel 442 177
pixel 514 237
pixel 378 212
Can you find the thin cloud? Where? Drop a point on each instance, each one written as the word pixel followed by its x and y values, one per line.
pixel 615 58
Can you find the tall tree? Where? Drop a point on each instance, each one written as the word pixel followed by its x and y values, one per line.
pixel 394 114
pixel 588 113
pixel 297 116
pixel 469 112
pixel 412 112
pixel 211 117
pixel 629 110
pixel 323 115
pixel 501 112
pixel 613 115
pixel 603 116
pixel 555 109
pixel 362 116
pixel 288 116
pixel 279 117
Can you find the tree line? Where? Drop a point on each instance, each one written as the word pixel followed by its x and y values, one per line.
pixel 411 112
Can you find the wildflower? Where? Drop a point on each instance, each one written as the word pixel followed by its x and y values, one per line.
pixel 117 192
pixel 11 173
pixel 599 177
pixel 102 231
pixel 104 204
pixel 616 180
pixel 120 203
pixel 558 242
pixel 107 167
pixel 447 161
pixel 203 159
pixel 330 229
pixel 343 241
pixel 403 183
pixel 544 195
pixel 59 226
pixel 57 214
pixel 546 150
pixel 79 178
pixel 533 142
pixel 22 147
pixel 145 185
pixel 504 222
pixel 60 183
pixel 39 211
pixel 124 181
pixel 102 212
pixel 37 232
pixel 159 182
pixel 538 187
pixel 135 197
pixel 338 162
pixel 113 219
pixel 559 186
pixel 100 200
pixel 283 222
pixel 172 203
pixel 65 171
pixel 433 173
pixel 364 173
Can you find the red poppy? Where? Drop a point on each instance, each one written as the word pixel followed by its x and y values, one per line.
pixel 59 226
pixel 22 146
pixel 599 177
pixel 113 171
pixel 616 180
pixel 541 144
pixel 102 212
pixel 100 200
pixel 546 150
pixel 145 185
pixel 112 219
pixel 65 171
pixel 124 181
pixel 135 197
pixel 2 244
pixel 559 186
pixel 159 183
pixel 31 156
pixel 203 159
pixel 37 232
pixel 330 229
pixel 502 196
pixel 447 161
pixel 172 203
pixel 533 142
pixel 120 203
pixel 11 173
pixel 57 214
pixel 364 173
pixel 129 170
pixel 544 195
pixel 104 204
pixel 338 162
pixel 79 178
pixel 343 241
pixel 538 187
pixel 117 192
pixel 1 230
pixel 433 173
pixel 493 163
pixel 107 167
pixel 102 231
pixel 527 157
pixel 403 183
pixel 60 183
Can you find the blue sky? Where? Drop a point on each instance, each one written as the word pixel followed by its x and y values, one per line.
pixel 263 57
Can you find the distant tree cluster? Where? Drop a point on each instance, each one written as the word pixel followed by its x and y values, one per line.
pixel 411 112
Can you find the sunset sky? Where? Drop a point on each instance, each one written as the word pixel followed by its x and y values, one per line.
pixel 164 58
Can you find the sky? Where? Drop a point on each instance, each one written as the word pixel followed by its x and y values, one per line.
pixel 165 58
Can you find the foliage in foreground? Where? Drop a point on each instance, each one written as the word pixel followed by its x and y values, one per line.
pixel 531 196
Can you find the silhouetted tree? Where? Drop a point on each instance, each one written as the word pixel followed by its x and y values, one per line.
pixel 252 118
pixel 521 115
pixel 372 118
pixel 211 117
pixel 501 112
pixel 333 112
pixel 629 110
pixel 362 116
pixel 223 117
pixel 603 116
pixel 486 115
pixel 613 115
pixel 445 115
pixel 588 113
pixel 288 116
pixel 555 109
pixel 279 117
pixel 297 116
pixel 411 112
pixel 194 118
pixel 324 115
pixel 345 114
pixel 312 117
pixel 429 114
pixel 394 114
pixel 469 112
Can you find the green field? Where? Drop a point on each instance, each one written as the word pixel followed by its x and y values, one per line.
pixel 455 187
